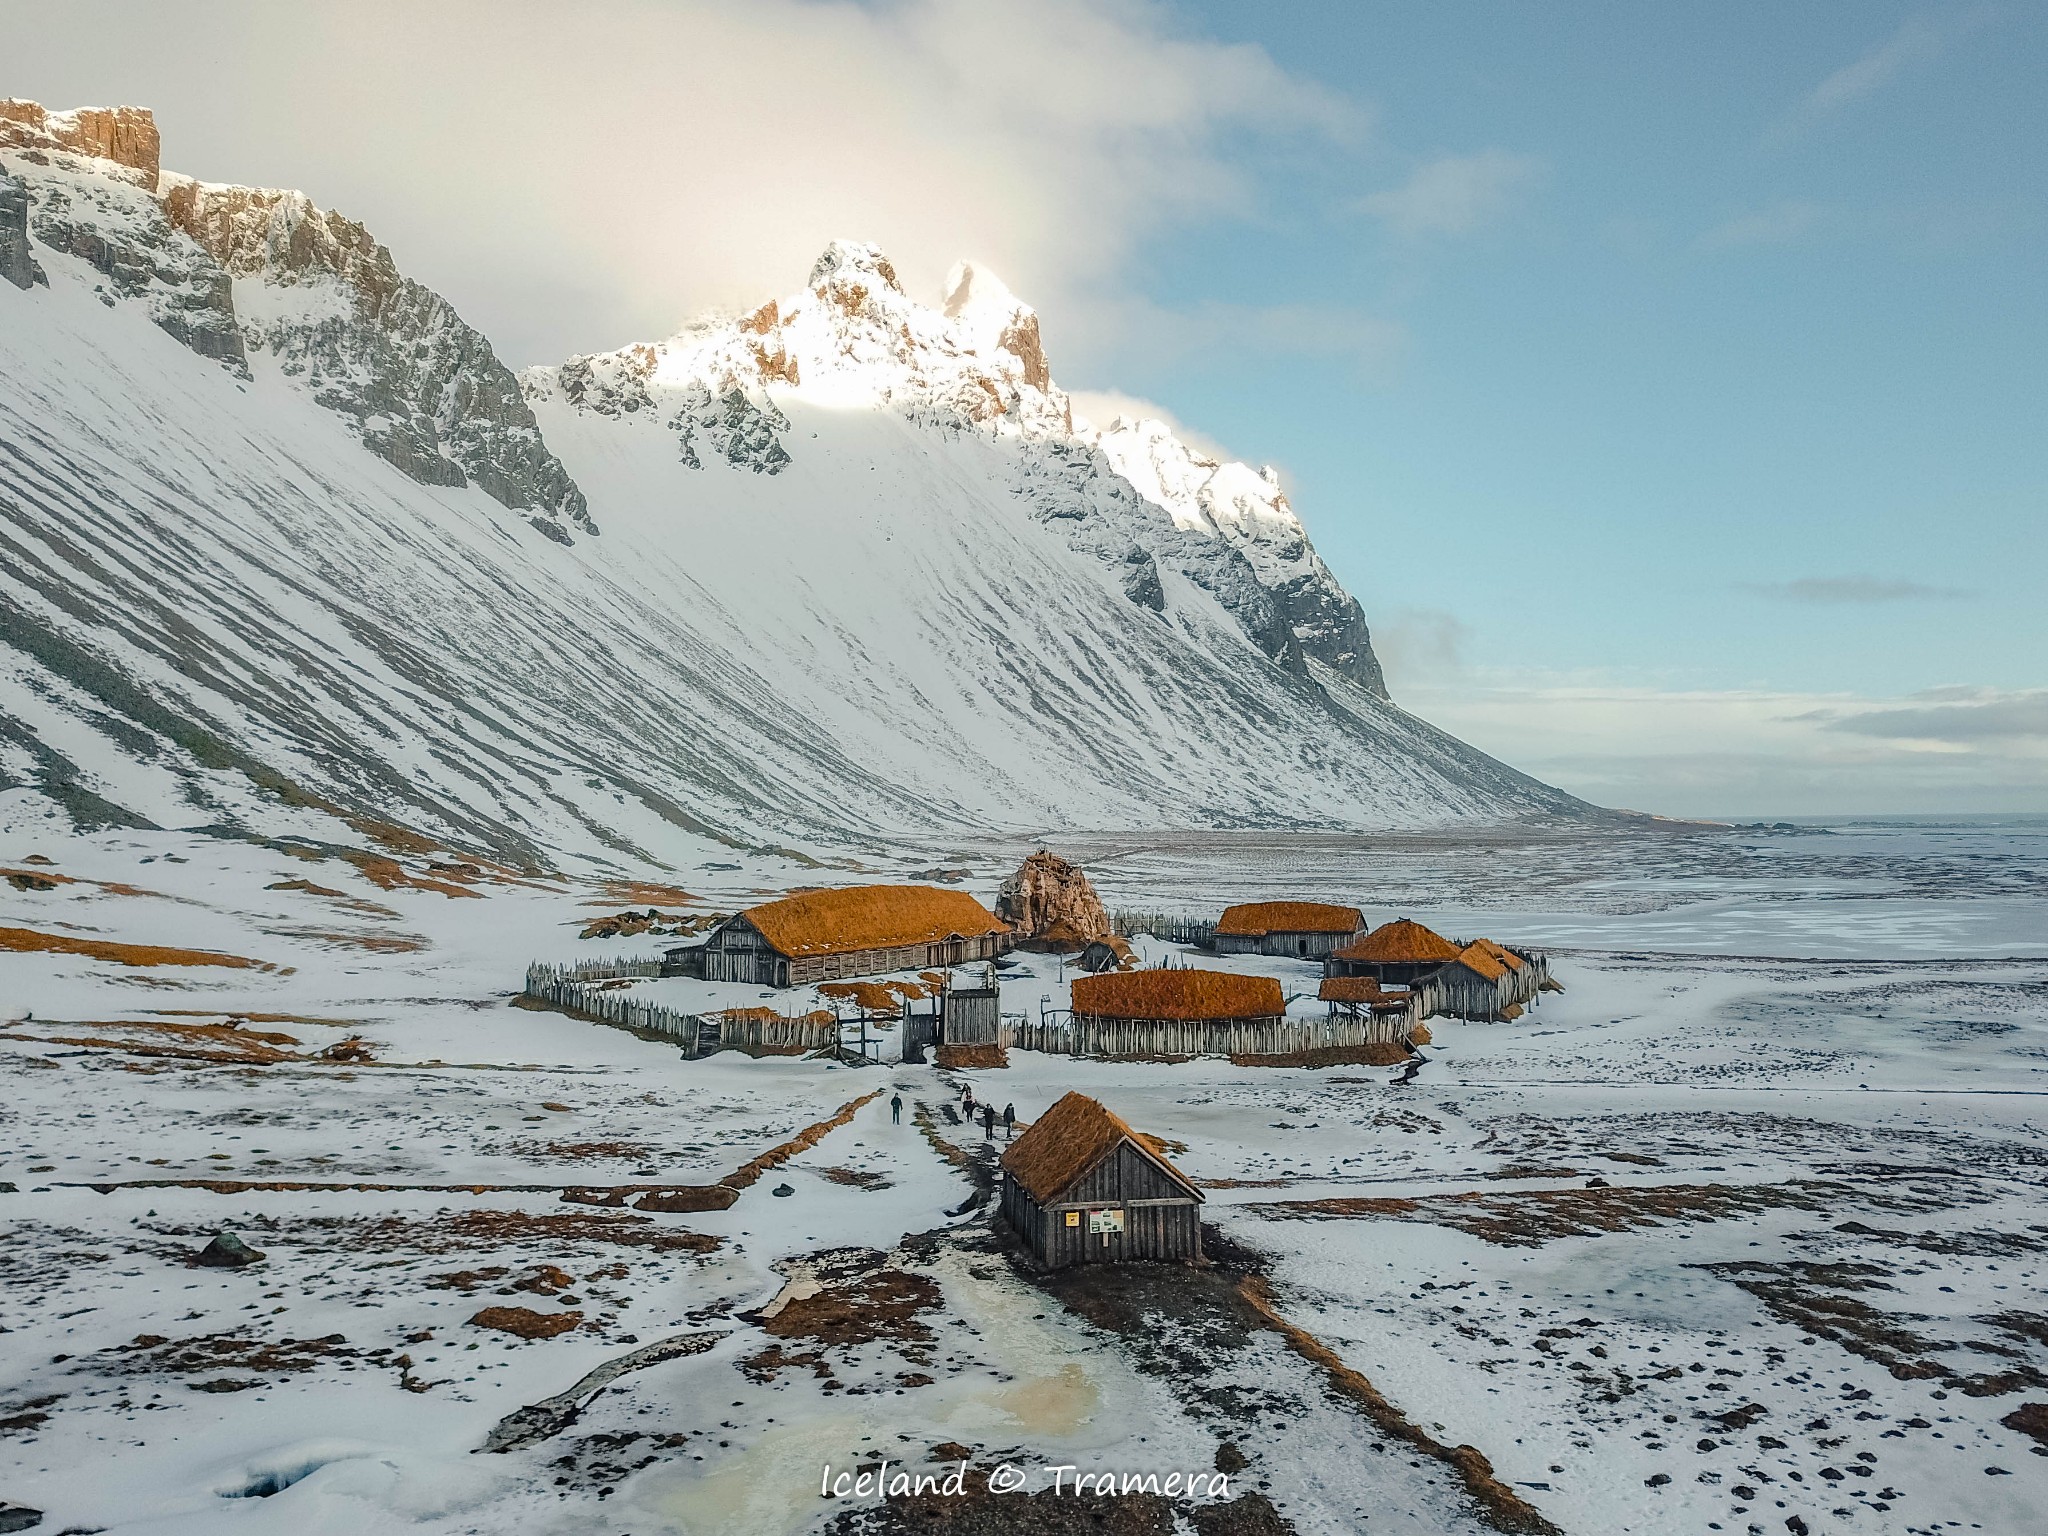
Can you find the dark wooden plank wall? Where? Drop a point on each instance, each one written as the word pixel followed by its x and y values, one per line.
pixel 1299 946
pixel 1161 1220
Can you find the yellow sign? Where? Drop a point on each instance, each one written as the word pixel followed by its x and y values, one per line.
pixel 1073 1218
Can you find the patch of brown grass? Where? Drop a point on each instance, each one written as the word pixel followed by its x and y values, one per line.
pixel 1381 1053
pixel 1531 1218
pixel 222 1044
pixel 525 1323
pixel 976 1057
pixel 389 875
pixel 881 1304
pixel 24 941
pixel 856 1178
pixel 453 1231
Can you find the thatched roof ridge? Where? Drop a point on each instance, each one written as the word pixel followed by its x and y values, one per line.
pixel 857 917
pixel 1500 952
pixel 1482 961
pixel 1400 942
pixel 1174 994
pixel 1069 1139
pixel 1256 919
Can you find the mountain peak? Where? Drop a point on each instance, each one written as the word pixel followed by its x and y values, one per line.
pixel 854 259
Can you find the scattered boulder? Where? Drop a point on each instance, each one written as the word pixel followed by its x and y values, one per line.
pixel 19 1517
pixel 783 1191
pixel 2029 1419
pixel 228 1251
pixel 1052 904
pixel 525 1323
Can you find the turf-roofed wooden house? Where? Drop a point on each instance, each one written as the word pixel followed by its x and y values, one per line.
pixel 1081 1187
pixel 1396 954
pixel 862 930
pixel 1306 930
pixel 1487 981
pixel 1176 1013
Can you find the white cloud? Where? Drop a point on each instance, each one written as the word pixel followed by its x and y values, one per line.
pixel 1916 41
pixel 1742 752
pixel 1455 194
pixel 577 174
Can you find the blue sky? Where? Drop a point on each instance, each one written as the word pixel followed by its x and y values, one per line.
pixel 1710 345
pixel 1671 383
pixel 1698 339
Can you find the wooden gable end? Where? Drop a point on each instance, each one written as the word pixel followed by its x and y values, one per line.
pixel 1124 1173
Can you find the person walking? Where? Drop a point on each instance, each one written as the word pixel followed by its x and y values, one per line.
pixel 896 1109
pixel 1009 1121
pixel 967 1103
pixel 988 1122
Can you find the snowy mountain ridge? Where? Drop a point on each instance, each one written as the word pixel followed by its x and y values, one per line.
pixel 1129 493
pixel 861 570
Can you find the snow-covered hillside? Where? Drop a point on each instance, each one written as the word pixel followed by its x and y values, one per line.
pixel 841 567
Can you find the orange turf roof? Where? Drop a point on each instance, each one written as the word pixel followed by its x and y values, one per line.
pixel 869 917
pixel 1359 989
pixel 1177 995
pixel 1069 1139
pixel 1401 942
pixel 1255 919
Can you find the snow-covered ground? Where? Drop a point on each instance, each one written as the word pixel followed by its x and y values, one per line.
pixel 1725 1237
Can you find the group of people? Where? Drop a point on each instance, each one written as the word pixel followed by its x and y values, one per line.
pixel 967 1110
pixel 988 1115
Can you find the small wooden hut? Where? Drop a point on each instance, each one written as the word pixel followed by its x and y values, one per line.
pixel 1485 981
pixel 1396 954
pixel 1110 953
pixel 862 930
pixel 1081 1187
pixel 1307 930
pixel 1387 1016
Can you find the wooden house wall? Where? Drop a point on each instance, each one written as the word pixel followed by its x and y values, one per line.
pixel 1161 1220
pixel 737 951
pixel 973 1017
pixel 1403 973
pixel 1295 945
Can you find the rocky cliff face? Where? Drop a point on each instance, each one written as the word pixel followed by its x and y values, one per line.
pixel 103 212
pixel 324 302
pixel 17 262
pixel 1052 904
pixel 1164 520
pixel 242 274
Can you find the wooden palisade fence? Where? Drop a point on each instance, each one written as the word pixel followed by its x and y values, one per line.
pixel 580 988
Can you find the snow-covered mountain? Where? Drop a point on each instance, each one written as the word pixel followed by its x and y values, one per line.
pixel 281 530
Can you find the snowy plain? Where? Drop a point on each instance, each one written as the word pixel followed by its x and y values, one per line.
pixel 1719 1238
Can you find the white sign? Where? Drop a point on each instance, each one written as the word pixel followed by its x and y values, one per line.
pixel 1105 1221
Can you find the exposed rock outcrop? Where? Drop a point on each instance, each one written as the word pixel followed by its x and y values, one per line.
pixel 103 211
pixel 422 388
pixel 1052 904
pixel 17 263
pixel 126 136
pixel 241 272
